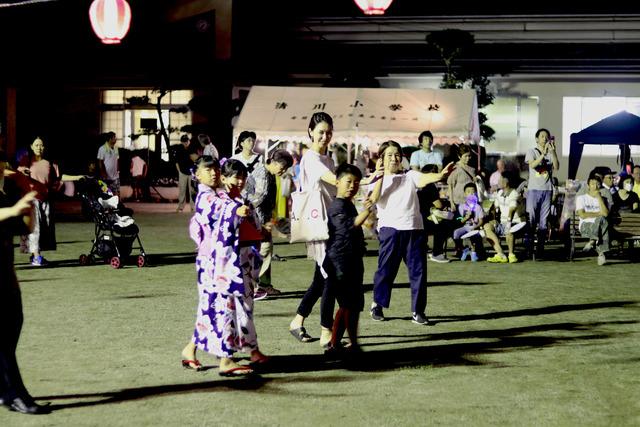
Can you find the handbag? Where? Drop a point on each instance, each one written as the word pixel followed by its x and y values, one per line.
pixel 308 217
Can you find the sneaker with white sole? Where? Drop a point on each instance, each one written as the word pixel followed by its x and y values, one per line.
pixel 419 318
pixel 39 261
pixel 438 258
pixel 602 260
pixel 513 258
pixel 377 314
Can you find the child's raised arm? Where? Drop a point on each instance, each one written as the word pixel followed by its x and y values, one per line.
pixel 362 216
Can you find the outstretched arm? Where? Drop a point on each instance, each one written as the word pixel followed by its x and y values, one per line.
pixel 430 178
pixel 22 208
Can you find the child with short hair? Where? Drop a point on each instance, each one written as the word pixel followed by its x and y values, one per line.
pixel 345 249
pixel 471 217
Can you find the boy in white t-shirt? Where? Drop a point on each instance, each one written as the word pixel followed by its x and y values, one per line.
pixel 400 231
pixel 593 212
pixel 509 212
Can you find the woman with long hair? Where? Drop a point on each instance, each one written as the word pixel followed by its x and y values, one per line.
pixel 43 236
pixel 317 173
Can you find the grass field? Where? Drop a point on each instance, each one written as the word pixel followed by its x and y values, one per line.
pixel 535 343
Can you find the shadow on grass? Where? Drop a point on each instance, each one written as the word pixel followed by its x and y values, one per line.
pixel 531 311
pixel 52 264
pixel 284 295
pixel 496 333
pixel 250 383
pixel 159 260
pixel 139 393
pixel 285 258
pixel 128 262
pixel 438 355
pixel 158 295
pixel 454 354
pixel 368 287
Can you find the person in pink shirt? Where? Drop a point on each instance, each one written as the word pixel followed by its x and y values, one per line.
pixel 138 176
pixel 494 179
pixel 43 236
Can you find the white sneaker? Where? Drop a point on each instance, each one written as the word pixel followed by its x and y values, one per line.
pixel 588 246
pixel 601 259
pixel 438 258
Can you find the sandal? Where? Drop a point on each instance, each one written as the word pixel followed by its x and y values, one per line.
pixel 301 334
pixel 261 360
pixel 238 371
pixel 192 364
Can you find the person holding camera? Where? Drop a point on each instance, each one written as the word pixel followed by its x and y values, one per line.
pixel 543 162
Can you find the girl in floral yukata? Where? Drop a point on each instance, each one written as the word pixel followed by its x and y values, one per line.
pixel 224 323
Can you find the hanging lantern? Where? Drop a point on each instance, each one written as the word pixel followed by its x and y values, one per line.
pixel 110 19
pixel 373 7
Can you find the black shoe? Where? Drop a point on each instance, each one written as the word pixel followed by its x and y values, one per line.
pixel 27 407
pixel 419 318
pixel 376 313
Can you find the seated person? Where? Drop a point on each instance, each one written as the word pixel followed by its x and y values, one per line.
pixel 509 210
pixel 599 172
pixel 593 211
pixel 441 228
pixel 471 218
pixel 608 182
pixel 625 200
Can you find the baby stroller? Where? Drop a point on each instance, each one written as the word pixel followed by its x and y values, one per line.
pixel 115 229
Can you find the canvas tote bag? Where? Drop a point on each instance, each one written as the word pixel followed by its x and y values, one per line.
pixel 308 214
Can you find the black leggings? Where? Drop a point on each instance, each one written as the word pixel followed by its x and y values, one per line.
pixel 11 385
pixel 317 289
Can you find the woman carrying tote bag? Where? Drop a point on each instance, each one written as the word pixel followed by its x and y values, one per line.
pixel 317 176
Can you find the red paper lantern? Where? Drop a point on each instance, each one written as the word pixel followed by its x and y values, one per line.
pixel 110 19
pixel 373 7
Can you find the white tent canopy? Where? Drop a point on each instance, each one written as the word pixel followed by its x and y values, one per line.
pixel 362 116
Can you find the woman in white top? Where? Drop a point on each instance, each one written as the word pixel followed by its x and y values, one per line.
pixel 317 174
pixel 400 231
pixel 244 150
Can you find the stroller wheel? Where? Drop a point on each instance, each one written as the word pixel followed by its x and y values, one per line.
pixel 142 261
pixel 115 262
pixel 84 260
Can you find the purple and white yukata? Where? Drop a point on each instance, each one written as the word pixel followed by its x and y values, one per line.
pixel 225 272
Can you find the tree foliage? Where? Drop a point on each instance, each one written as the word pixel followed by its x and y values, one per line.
pixel 451 44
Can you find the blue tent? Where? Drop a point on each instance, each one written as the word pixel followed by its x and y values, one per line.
pixel 622 129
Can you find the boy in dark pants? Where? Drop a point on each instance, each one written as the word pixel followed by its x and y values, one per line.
pixel 345 249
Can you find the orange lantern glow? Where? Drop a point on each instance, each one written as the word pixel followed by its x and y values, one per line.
pixel 110 19
pixel 373 7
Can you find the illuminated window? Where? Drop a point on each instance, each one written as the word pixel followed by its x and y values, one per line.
pixel 112 121
pixel 124 118
pixel 581 112
pixel 515 120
